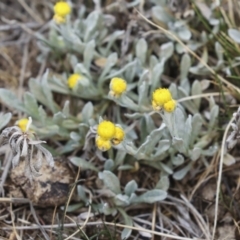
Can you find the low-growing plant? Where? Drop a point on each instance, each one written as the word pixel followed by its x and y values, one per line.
pixel 126 110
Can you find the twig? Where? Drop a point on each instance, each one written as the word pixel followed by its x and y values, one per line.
pixel 17 25
pixel 36 219
pixel 5 172
pixel 154 218
pixel 30 11
pixel 106 223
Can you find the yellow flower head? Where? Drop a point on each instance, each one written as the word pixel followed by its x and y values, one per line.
pixel 117 87
pixel 73 80
pixel 59 19
pixel 62 9
pixel 170 106
pixel 118 136
pixel 106 130
pixel 160 96
pixel 22 124
pixel 103 144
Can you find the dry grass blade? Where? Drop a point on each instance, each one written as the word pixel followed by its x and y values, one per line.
pixel 220 175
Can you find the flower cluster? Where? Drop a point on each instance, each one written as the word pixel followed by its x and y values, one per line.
pixel 117 87
pixel 24 145
pixel 73 80
pixel 108 134
pixel 162 98
pixel 22 124
pixel 61 10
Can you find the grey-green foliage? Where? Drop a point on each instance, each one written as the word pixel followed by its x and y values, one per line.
pixel 169 142
pixel 127 197
pixel 4 119
pixel 61 122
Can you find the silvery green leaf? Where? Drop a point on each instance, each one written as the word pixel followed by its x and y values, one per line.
pixel 173 90
pixel 80 69
pixel 197 122
pixel 178 175
pixel 156 75
pixel 111 61
pixel 150 126
pixel 195 153
pixel 10 99
pixel 199 70
pixel 143 92
pixel 188 131
pixel 127 102
pixel 130 72
pixel 179 123
pixel 205 84
pixel 188 104
pixel 75 136
pixel 91 24
pixel 109 165
pixel 130 187
pixel 88 54
pixel 210 151
pixel 48 130
pixel 153 61
pixel 133 115
pixel 163 183
pixel 160 14
pixel 120 156
pixel 48 94
pixel 184 33
pixel 107 210
pixel 83 164
pixel 87 112
pixel 58 84
pixel 162 147
pixel 125 167
pixel 112 38
pixel 73 207
pixel 121 200
pixel 166 51
pixel 152 139
pixel 69 124
pixel 179 144
pixel 228 159
pixel 4 119
pixel 178 160
pixel 184 66
pixel 66 110
pixel 196 90
pixel 234 34
pixel 185 84
pixel 130 66
pixel 213 116
pixel 151 196
pixel 42 115
pixel 168 120
pixel 111 181
pixel 130 148
pixel 81 193
pixel 166 168
pixel 30 104
pixel 73 60
pixel 128 221
pixel 36 89
pixel 141 50
pixel 58 117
